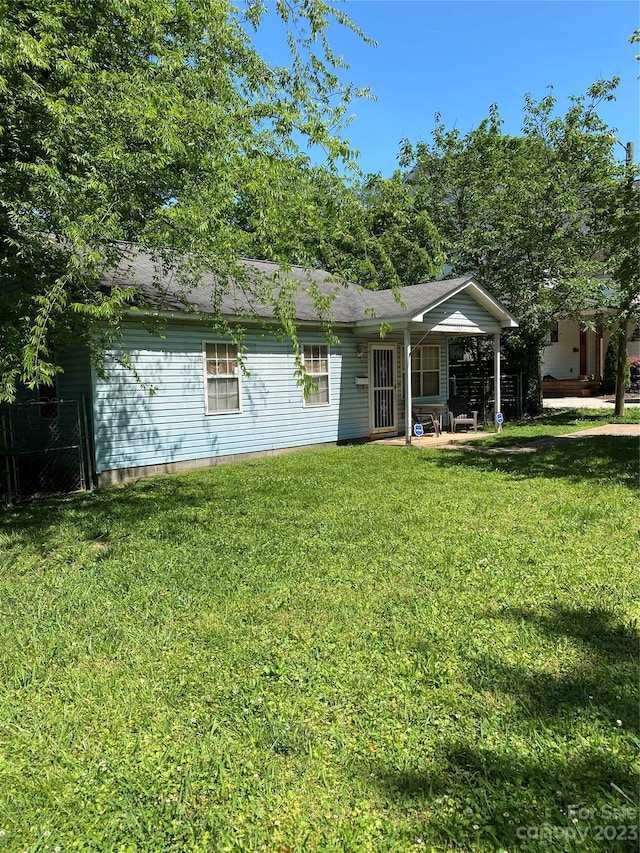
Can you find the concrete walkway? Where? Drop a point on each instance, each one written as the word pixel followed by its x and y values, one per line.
pixel 461 439
pixel 553 441
pixel 606 429
pixel 631 400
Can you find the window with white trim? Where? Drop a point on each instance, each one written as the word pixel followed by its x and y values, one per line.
pixel 425 371
pixel 222 378
pixel 316 367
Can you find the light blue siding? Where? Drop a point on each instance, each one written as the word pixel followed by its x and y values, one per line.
pixel 75 382
pixel 462 314
pixel 135 427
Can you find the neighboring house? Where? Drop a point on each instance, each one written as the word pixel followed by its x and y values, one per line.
pixel 573 359
pixel 207 407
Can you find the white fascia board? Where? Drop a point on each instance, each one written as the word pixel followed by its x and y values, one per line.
pixel 506 318
pixel 206 317
pixel 419 318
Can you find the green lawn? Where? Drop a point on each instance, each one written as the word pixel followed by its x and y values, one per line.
pixel 555 422
pixel 365 648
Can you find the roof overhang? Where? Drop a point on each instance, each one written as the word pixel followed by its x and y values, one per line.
pixel 430 318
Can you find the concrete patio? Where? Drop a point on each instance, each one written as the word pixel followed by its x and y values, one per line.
pixel 461 438
pixel 608 402
pixel 432 440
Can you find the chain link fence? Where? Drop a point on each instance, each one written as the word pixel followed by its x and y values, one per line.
pixel 43 450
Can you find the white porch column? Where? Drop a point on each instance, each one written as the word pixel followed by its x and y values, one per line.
pixel 407 387
pixel 496 379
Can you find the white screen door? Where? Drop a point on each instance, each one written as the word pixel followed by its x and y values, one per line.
pixel 383 391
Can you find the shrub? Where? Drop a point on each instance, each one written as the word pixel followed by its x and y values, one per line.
pixel 634 371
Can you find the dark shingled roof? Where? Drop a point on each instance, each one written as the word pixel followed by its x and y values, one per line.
pixel 417 298
pixel 160 285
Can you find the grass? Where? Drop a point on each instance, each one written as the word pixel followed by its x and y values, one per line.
pixel 360 649
pixel 556 422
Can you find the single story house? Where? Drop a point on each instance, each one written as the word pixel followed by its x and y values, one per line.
pixel 193 396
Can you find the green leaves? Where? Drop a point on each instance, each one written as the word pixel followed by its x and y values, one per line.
pixel 521 212
pixel 143 122
pixel 374 232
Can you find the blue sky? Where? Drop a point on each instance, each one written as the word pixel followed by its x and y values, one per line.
pixel 457 57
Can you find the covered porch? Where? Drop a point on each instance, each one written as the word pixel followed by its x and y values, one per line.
pixel 407 352
pixel 573 360
pixel 417 405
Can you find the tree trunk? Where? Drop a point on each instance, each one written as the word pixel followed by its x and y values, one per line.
pixel 532 378
pixel 621 369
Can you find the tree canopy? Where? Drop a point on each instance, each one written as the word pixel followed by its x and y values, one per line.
pixel 159 123
pixel 526 214
pixel 617 224
pixel 374 231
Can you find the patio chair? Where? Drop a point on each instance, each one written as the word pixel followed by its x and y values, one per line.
pixel 460 414
pixel 427 420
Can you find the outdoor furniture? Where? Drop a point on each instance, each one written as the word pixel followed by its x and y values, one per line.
pixel 460 414
pixel 427 420
pixel 427 413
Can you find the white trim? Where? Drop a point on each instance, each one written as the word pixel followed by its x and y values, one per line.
pixel 408 420
pixel 207 379
pixel 447 369
pixel 414 350
pixel 322 405
pixel 503 316
pixel 496 381
pixel 419 318
pixel 392 386
pixel 482 297
pixel 495 308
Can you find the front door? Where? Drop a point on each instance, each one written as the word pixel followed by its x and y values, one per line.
pixel 383 389
pixel 583 353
